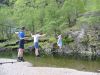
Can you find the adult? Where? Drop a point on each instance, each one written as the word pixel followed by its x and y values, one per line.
pixel 21 35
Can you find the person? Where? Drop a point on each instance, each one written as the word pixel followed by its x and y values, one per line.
pixel 36 42
pixel 21 35
pixel 59 42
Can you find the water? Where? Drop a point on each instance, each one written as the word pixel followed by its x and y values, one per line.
pixel 58 61
pixel 65 62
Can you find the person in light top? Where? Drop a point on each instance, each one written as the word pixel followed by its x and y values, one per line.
pixel 59 41
pixel 36 42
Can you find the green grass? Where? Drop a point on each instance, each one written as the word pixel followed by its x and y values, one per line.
pixel 8 54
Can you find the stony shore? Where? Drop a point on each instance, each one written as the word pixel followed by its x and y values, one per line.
pixel 26 68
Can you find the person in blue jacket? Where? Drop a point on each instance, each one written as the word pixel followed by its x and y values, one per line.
pixel 21 36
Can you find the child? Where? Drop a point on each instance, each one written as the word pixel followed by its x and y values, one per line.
pixel 36 42
pixel 59 42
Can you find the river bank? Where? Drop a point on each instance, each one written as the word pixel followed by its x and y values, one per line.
pixel 26 68
pixel 72 62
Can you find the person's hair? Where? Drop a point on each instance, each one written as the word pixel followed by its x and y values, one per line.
pixel 23 28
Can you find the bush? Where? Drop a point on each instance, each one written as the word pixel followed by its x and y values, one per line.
pixel 52 40
pixel 67 40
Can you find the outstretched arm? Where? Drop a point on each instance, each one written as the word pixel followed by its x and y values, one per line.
pixel 42 35
pixel 32 34
pixel 16 32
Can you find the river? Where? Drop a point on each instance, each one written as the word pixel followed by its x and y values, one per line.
pixel 58 61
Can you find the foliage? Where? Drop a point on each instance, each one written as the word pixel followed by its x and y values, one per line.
pixel 48 16
pixel 52 40
pixel 67 40
pixel 90 19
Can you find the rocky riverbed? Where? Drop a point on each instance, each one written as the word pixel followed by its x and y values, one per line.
pixel 12 67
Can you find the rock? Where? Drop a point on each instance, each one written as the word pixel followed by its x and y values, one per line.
pixel 3 40
pixel 3 49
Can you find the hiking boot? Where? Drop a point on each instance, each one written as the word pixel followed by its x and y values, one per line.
pixel 22 59
pixel 19 59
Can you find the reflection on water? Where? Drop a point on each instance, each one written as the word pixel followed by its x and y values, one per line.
pixel 65 62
